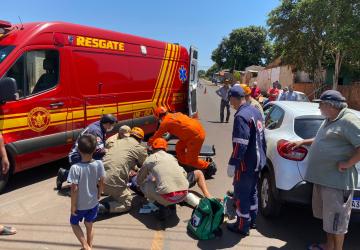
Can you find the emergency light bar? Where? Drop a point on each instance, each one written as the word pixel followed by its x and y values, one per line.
pixel 5 24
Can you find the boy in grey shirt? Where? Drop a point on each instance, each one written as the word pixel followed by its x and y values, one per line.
pixel 86 178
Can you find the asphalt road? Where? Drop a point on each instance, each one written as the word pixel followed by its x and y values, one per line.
pixel 41 214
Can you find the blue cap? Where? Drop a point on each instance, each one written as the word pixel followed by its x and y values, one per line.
pixel 331 95
pixel 236 91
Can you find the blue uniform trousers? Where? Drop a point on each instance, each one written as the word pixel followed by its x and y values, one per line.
pixel 245 195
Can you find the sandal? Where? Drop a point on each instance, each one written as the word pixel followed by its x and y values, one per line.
pixel 315 246
pixel 8 231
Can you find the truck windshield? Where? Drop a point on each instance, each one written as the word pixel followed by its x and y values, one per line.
pixel 5 51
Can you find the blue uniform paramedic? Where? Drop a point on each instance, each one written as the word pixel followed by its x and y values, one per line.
pixel 99 130
pixel 247 159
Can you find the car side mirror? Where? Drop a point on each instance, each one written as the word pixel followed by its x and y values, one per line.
pixel 8 89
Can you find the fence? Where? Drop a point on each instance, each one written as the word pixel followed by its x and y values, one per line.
pixel 351 92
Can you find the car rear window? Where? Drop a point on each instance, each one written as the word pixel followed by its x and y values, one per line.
pixel 307 128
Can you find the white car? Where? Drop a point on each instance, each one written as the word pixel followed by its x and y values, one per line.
pixel 301 97
pixel 282 179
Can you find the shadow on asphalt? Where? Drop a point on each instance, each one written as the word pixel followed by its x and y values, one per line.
pixel 227 240
pixel 34 175
pixel 298 228
pixel 150 220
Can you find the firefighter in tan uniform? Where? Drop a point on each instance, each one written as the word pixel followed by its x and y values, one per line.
pixel 124 155
pixel 162 179
pixel 124 131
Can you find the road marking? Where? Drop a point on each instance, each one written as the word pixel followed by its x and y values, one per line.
pixel 158 241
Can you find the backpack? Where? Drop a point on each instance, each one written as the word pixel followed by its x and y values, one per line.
pixel 206 219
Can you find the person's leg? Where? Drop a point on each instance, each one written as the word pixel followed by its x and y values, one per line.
pixel 80 236
pixel 336 215
pixel 121 199
pixel 329 244
pixel 242 190
pixel 200 180
pixel 89 233
pixel 63 173
pixel 180 149
pixel 193 148
pixel 254 201
pixel 227 111
pixel 222 107
pixel 74 222
pixel 338 240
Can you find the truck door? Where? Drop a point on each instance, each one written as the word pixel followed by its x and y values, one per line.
pixel 193 81
pixel 37 123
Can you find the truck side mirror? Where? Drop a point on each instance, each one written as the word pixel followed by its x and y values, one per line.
pixel 8 89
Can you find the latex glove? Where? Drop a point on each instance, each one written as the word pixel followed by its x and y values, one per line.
pixel 231 170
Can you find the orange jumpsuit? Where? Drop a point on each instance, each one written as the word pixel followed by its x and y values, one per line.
pixel 191 136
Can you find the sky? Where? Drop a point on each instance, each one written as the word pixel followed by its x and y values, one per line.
pixel 202 23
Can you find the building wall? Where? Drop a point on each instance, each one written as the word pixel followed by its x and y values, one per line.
pixel 283 74
pixel 351 92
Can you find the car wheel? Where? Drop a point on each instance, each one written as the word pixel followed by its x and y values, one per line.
pixel 269 206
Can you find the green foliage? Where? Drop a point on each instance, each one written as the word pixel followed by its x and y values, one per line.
pixel 314 34
pixel 213 69
pixel 201 73
pixel 237 76
pixel 243 47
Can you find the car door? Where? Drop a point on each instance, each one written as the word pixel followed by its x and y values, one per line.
pixel 193 81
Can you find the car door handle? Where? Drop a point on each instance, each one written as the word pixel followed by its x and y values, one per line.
pixel 56 104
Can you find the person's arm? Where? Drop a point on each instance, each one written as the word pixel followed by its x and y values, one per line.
pixel 240 141
pixel 5 165
pixel 352 134
pixel 101 179
pixel 143 173
pixel 162 130
pixel 100 186
pixel 296 144
pixel 218 92
pixel 141 155
pixel 342 166
pixel 74 197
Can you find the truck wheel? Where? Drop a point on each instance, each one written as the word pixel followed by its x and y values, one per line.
pixel 269 206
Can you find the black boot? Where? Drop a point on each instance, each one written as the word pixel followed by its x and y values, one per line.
pixel 104 208
pixel 210 170
pixel 61 177
pixel 235 227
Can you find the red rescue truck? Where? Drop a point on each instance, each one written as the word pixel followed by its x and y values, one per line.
pixel 56 78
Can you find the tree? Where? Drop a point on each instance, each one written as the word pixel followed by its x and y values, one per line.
pixel 243 47
pixel 298 35
pixel 201 73
pixel 237 76
pixel 307 32
pixel 212 70
pixel 343 34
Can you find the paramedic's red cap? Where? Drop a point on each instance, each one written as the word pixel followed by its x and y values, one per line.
pixel 331 95
pixel 108 118
pixel 236 91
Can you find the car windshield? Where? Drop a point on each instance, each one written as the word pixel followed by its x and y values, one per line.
pixel 307 128
pixel 5 51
